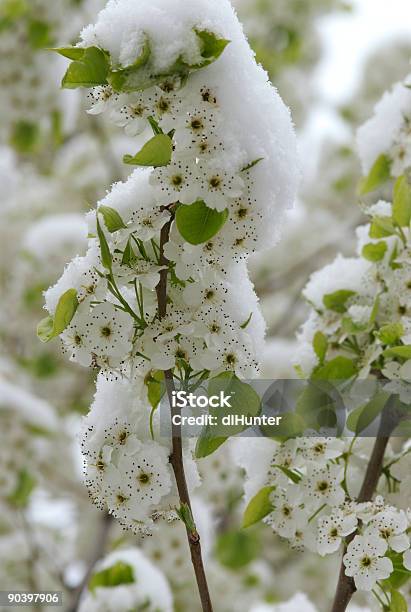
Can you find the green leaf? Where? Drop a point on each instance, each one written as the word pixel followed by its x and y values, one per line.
pixel 401 206
pixel 50 327
pixel 258 507
pixel 379 174
pixel 244 401
pixel 340 368
pixel 381 227
pixel 398 603
pixel 247 322
pixel 293 476
pixel 208 443
pixel 88 71
pixel 25 137
pixel 155 387
pixel 117 574
pixel 129 257
pixel 360 418
pixel 399 351
pixel 185 514
pixel 197 223
pixel 104 248
pixel 236 549
pixel 374 251
pixel 320 345
pixel 212 47
pixel 73 53
pixel 252 164
pixel 337 301
pixel 317 404
pixel 390 333
pixel 119 79
pixel 400 575
pixel 112 219
pixel 25 485
pixel 156 152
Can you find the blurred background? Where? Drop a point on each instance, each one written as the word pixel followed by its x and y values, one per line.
pixel 331 60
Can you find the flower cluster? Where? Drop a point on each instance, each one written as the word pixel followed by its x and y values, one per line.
pixel 174 237
pixel 361 306
pixel 311 485
pixel 127 467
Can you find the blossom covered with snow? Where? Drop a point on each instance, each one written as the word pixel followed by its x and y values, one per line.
pixel 214 179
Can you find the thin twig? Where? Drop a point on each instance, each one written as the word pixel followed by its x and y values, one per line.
pixel 98 553
pixel 176 458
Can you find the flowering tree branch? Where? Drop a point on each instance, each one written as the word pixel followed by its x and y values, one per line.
pixel 176 458
pixel 346 586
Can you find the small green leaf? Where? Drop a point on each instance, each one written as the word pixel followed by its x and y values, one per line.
pixel 185 514
pixel 25 137
pixel 156 152
pixel 247 322
pixel 121 78
pixel 236 549
pixel 208 443
pixel 155 387
pixel 399 351
pixel 379 174
pixel 320 345
pixel 244 401
pixel 252 164
pixel 129 257
pixel 89 71
pixel 374 251
pixel 258 507
pixel 50 327
pixel 117 574
pixel 381 227
pixel 104 248
pixel 390 333
pixel 398 603
pixel 112 219
pixel 401 206
pixel 197 223
pixel 340 368
pixel 25 485
pixel 212 47
pixel 360 418
pixel 337 301
pixel 73 53
pixel 293 476
pixel 400 575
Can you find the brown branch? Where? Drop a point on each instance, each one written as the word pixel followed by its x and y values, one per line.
pixel 97 554
pixel 176 458
pixel 389 420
